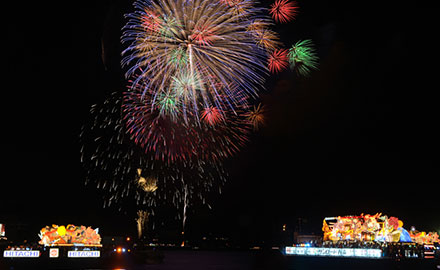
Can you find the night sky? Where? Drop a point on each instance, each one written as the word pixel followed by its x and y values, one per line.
pixel 359 136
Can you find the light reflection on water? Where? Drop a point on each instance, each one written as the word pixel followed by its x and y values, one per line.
pixel 233 260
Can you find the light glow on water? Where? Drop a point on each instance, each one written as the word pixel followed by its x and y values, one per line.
pixel 335 252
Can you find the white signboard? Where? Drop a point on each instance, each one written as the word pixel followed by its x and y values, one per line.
pixel 2 230
pixel 83 254
pixel 335 252
pixel 54 253
pixel 21 253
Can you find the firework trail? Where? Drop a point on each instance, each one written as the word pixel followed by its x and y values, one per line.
pixel 197 53
pixel 185 205
pixel 142 218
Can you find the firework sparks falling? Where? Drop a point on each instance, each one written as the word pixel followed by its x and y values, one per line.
pixel 303 58
pixel 127 175
pixel 206 43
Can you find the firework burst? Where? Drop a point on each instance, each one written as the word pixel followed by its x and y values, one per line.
pixel 256 116
pixel 303 58
pixel 283 11
pixel 202 53
pixel 278 61
pixel 211 115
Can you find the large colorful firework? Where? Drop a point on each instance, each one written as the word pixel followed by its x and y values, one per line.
pixel 197 54
pixel 195 68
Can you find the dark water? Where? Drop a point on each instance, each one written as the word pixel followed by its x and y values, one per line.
pixel 217 260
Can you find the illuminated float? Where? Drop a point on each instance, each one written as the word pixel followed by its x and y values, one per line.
pixel 69 235
pixel 378 228
pixel 61 241
pixel 369 236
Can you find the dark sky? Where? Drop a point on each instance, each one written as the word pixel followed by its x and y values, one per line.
pixel 359 136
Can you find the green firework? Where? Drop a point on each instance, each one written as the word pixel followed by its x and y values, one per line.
pixel 168 27
pixel 179 57
pixel 167 103
pixel 302 57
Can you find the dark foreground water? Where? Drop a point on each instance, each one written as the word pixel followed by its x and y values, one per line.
pixel 217 260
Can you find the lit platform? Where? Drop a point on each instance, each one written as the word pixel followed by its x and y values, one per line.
pixel 335 252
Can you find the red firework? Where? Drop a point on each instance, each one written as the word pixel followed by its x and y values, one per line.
pixel 151 21
pixel 283 11
pixel 211 115
pixel 202 35
pixel 278 60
